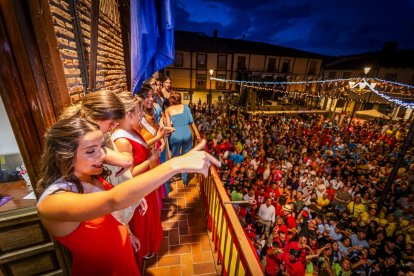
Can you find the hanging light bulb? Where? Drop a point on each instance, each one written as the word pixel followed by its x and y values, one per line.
pixel 362 84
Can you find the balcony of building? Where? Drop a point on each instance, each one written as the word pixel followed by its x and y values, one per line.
pixel 202 234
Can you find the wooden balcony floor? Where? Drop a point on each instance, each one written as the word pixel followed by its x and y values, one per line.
pixel 186 248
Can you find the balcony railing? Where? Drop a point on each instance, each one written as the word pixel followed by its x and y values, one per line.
pixel 235 252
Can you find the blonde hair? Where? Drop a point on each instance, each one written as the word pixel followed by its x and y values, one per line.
pixel 97 106
pixel 131 102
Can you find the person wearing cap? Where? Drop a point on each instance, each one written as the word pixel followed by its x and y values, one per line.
pixel 290 218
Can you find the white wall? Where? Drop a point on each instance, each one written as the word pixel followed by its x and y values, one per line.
pixel 8 143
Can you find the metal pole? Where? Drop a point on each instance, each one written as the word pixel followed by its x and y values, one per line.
pixel 352 114
pixel 397 166
pixel 209 98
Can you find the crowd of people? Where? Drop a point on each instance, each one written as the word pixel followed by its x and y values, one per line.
pixel 310 186
pixel 306 186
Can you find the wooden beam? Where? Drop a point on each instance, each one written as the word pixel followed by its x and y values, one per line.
pixel 125 21
pixel 79 45
pixel 94 44
pixel 49 53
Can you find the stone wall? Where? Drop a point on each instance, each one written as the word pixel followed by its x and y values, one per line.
pixel 110 58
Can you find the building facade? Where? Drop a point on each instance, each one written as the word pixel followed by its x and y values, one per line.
pixel 235 59
pixel 389 64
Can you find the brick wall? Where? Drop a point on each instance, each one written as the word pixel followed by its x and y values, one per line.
pixel 110 61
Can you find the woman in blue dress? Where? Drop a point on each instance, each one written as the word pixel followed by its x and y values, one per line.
pixel 159 104
pixel 179 116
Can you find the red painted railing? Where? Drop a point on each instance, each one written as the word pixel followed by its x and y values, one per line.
pixel 235 252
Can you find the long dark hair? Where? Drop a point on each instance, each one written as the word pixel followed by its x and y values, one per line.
pixel 60 147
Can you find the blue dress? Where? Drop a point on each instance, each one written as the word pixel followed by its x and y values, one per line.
pixel 181 140
pixel 163 155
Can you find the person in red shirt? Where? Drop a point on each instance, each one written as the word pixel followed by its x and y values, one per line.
pixel 281 201
pixel 290 218
pixel 273 260
pixel 291 258
pixel 273 192
pixel 260 196
pixel 281 237
pixel 277 174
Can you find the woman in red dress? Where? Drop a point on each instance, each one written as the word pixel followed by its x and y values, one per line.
pixel 147 228
pixel 76 205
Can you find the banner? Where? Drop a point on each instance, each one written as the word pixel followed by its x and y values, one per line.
pixel 152 39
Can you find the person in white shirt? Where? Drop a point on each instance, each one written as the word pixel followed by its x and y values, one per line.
pixel 337 183
pixel 254 163
pixel 266 172
pixel 267 215
pixel 250 196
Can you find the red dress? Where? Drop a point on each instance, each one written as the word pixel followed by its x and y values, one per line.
pixel 101 246
pixel 146 228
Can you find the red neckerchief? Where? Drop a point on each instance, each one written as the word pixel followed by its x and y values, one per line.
pixel 105 183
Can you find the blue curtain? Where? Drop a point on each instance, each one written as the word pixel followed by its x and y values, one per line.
pixel 152 38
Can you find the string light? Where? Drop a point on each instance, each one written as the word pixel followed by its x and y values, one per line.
pixel 390 99
pixel 281 82
pixel 370 83
pixel 395 83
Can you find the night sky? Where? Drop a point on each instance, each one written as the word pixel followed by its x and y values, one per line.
pixel 331 27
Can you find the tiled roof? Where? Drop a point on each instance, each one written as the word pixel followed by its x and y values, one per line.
pixel 389 59
pixel 200 42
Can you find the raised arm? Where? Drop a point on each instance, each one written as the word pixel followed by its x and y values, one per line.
pixel 73 207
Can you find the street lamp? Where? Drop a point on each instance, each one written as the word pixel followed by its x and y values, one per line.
pixel 209 96
pixel 361 85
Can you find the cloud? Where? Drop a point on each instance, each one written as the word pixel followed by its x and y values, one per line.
pixel 324 26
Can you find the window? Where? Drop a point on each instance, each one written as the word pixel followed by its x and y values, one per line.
pixel 312 68
pixel 221 84
pixel 14 179
pixel 347 75
pixel 222 62
pixel 331 75
pixel 271 65
pixel 179 59
pixel 391 77
pixel 241 63
pixel 201 61
pixel 285 66
pixel 201 81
